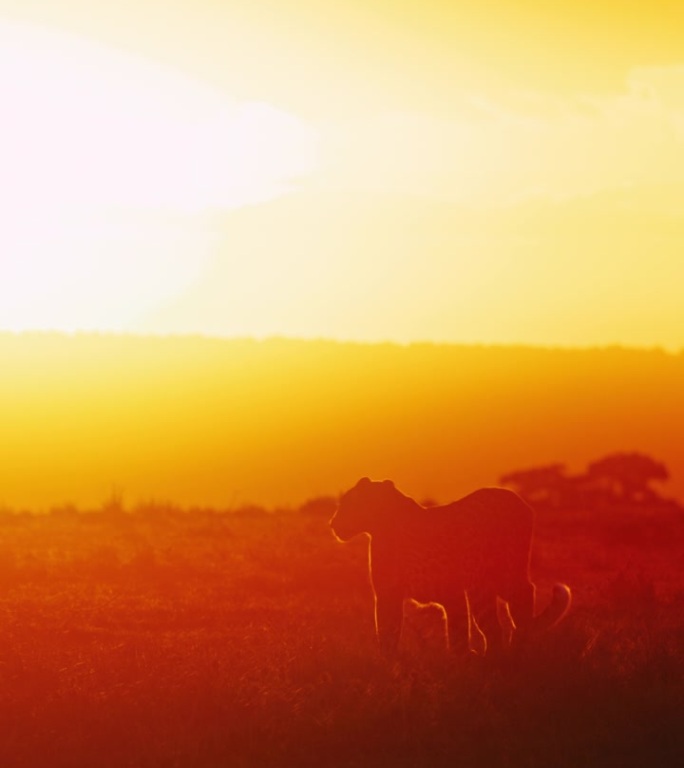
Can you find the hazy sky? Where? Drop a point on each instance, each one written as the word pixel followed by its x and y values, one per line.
pixel 506 171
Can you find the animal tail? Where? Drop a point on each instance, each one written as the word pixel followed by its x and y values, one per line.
pixel 555 610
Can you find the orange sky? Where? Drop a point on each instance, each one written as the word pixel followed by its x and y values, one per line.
pixel 504 171
pixel 230 422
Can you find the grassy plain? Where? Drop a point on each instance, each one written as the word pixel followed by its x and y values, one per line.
pixel 169 638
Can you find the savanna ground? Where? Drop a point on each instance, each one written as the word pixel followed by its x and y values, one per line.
pixel 164 637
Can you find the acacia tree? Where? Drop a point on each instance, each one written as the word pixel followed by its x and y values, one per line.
pixel 547 484
pixel 628 475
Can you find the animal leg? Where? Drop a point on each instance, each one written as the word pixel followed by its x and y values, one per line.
pixel 483 606
pixel 389 613
pixel 521 604
pixel 458 623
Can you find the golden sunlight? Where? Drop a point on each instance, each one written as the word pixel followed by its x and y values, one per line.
pixel 112 168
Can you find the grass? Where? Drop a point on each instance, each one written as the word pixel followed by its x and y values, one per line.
pixel 169 639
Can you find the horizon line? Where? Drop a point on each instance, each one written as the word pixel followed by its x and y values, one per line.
pixel 275 337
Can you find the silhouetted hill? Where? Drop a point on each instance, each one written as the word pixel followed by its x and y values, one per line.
pixel 198 420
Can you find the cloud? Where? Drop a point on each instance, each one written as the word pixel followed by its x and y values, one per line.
pixel 84 125
pixel 111 167
pixel 528 145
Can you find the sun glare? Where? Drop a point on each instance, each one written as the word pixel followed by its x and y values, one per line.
pixel 111 167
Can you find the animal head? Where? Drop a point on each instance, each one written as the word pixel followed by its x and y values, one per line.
pixel 365 508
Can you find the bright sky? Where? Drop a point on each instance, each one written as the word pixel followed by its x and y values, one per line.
pixel 502 171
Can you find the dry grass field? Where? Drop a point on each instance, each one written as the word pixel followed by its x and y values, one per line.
pixel 166 638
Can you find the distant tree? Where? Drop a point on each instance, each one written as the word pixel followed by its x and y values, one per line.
pixel 249 511
pixel 627 475
pixel 321 506
pixel 114 505
pixel 547 484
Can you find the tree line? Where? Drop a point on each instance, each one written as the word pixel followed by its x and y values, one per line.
pixel 618 478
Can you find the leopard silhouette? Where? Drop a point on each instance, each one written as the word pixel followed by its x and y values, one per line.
pixel 472 557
